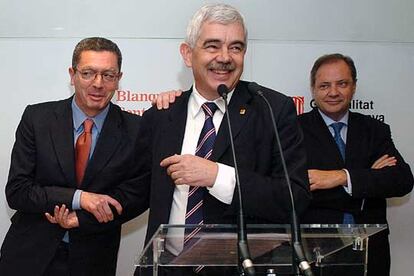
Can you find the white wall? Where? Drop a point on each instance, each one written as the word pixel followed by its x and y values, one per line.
pixel 37 39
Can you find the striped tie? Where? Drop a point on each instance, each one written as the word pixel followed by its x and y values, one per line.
pixel 194 213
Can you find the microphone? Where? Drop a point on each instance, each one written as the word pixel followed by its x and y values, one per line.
pixel 299 259
pixel 245 263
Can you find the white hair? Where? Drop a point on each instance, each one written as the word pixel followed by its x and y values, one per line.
pixel 217 13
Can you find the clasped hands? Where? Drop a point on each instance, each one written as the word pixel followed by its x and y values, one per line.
pixel 96 204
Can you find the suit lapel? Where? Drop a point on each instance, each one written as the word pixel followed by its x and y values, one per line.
pixel 61 132
pixel 169 129
pixel 173 133
pixel 326 139
pixel 109 140
pixel 239 112
pixel 354 140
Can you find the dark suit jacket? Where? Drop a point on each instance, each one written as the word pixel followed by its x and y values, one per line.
pixel 42 175
pixel 264 190
pixel 367 140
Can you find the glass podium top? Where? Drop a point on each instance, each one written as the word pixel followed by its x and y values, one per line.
pixel 216 244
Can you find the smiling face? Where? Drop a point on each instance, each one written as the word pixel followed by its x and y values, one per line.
pixel 217 58
pixel 333 89
pixel 93 95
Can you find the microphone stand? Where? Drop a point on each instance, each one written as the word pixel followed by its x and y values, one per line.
pixel 299 262
pixel 245 263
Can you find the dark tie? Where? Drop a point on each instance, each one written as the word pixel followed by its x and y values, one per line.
pixel 338 139
pixel 82 150
pixel 194 212
pixel 348 218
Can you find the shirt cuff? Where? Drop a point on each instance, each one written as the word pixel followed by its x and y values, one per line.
pixel 348 188
pixel 223 188
pixel 76 200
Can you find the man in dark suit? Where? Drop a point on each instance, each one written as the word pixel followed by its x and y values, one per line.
pixel 79 235
pixel 352 168
pixel 214 49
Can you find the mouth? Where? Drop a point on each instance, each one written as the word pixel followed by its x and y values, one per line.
pixel 334 104
pixel 221 72
pixel 96 96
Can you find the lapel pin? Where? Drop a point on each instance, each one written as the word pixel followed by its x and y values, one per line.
pixel 242 111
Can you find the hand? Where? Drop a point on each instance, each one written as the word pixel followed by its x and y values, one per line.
pixel 164 99
pixel 98 205
pixel 384 161
pixel 319 179
pixel 191 170
pixel 63 217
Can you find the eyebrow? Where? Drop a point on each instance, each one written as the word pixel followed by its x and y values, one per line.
pixel 96 70
pixel 213 40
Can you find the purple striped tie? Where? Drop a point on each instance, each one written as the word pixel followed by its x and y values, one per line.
pixel 194 213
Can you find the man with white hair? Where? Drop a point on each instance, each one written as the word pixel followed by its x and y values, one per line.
pixel 192 170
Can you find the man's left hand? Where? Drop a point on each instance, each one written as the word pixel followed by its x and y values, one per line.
pixel 63 217
pixel 164 99
pixel 319 179
pixel 191 170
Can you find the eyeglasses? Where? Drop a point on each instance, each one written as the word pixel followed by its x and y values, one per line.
pixel 90 75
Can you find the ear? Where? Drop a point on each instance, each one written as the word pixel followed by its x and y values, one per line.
pixel 117 82
pixel 313 92
pixel 120 76
pixel 186 53
pixel 354 89
pixel 72 75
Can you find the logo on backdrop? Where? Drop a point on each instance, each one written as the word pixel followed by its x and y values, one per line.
pixel 299 103
pixel 134 102
pixel 138 102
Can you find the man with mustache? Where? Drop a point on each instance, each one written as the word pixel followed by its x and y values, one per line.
pixel 214 49
pixel 352 168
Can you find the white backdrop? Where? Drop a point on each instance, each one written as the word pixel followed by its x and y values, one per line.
pixel 37 39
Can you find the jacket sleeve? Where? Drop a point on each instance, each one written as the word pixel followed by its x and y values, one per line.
pixel 23 192
pixel 387 182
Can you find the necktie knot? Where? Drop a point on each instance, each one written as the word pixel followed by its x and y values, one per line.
pixel 337 128
pixel 209 108
pixel 87 125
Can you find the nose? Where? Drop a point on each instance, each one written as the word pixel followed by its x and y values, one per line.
pixel 224 55
pixel 98 81
pixel 333 91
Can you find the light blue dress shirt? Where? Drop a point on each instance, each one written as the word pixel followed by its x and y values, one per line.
pixel 79 117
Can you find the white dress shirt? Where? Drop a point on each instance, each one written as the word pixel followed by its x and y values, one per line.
pixel 225 182
pixel 344 130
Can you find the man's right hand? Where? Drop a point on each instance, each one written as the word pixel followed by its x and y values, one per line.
pixel 98 205
pixel 164 99
pixel 63 217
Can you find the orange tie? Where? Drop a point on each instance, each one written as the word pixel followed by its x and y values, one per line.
pixel 83 147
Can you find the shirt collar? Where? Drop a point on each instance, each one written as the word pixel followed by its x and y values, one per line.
pixel 196 101
pixel 328 121
pixel 79 117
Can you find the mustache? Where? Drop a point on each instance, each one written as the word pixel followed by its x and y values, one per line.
pixel 221 66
